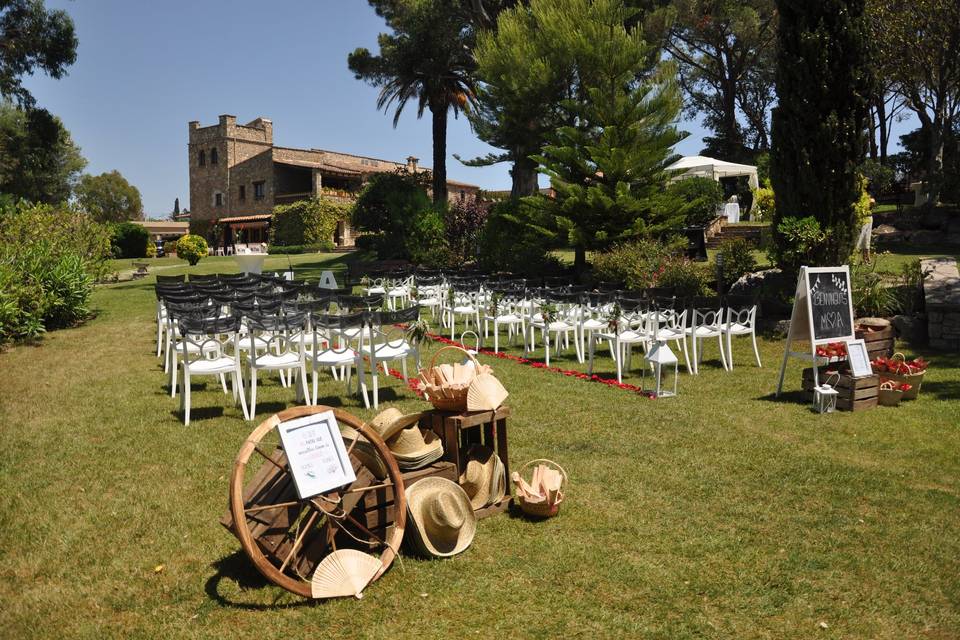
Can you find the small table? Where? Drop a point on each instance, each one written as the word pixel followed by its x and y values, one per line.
pixel 250 262
pixel 141 271
pixel 732 212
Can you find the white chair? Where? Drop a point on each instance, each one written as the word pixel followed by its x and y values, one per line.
pixel 561 323
pixel 330 348
pixel 203 353
pixel 430 293
pixel 593 313
pixel 741 320
pixel 466 305
pixel 175 313
pixel 502 312
pixel 621 334
pixel 382 342
pixel 399 292
pixel 706 321
pixel 281 354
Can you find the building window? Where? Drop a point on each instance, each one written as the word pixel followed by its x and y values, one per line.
pixel 218 199
pixel 243 193
pixel 202 158
pixel 213 156
pixel 463 195
pixel 258 190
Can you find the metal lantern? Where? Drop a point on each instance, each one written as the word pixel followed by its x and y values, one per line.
pixel 660 356
pixel 825 399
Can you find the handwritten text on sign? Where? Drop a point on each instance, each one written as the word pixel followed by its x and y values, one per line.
pixel 830 305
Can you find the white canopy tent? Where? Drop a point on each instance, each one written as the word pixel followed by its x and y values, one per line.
pixel 702 166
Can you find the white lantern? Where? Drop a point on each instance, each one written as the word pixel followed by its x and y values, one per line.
pixel 661 356
pixel 825 399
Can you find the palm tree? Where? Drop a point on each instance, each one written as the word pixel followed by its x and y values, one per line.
pixel 427 58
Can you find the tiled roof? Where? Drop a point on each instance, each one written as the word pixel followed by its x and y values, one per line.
pixel 255 218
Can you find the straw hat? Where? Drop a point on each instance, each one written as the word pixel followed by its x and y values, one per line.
pixel 390 422
pixel 443 519
pixel 478 475
pixel 415 447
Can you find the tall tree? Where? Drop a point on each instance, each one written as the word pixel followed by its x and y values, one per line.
pixel 39 161
pixel 427 58
pixel 32 38
pixel 824 79
pixel 920 50
pixel 608 167
pixel 724 49
pixel 521 86
pixel 109 198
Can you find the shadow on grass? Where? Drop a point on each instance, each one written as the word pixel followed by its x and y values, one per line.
pixel 941 390
pixel 238 568
pixel 786 397
pixel 199 413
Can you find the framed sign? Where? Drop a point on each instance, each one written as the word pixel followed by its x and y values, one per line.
pixel 859 358
pixel 316 455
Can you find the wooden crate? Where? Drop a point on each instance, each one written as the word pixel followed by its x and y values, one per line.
pixel 855 394
pixel 458 430
pixel 376 509
pixel 271 528
pixel 880 344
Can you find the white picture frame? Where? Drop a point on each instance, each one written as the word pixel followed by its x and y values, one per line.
pixel 858 358
pixel 316 455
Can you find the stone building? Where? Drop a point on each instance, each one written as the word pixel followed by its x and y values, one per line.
pixel 237 176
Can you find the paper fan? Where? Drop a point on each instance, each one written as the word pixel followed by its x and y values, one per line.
pixel 485 393
pixel 345 572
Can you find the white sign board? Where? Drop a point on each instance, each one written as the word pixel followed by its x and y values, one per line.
pixel 316 455
pixel 858 358
pixel 327 281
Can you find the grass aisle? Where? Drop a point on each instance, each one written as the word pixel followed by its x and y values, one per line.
pixel 720 513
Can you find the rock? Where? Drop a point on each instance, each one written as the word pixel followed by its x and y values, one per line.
pixel 873 323
pixel 752 283
pixel 927 237
pixel 913 329
pixel 934 218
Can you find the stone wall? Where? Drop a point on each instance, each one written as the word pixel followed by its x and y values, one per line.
pixel 941 291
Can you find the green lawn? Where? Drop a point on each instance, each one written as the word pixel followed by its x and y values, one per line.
pixel 721 513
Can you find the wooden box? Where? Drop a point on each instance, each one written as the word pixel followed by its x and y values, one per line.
pixel 376 508
pixel 855 394
pixel 880 344
pixel 458 430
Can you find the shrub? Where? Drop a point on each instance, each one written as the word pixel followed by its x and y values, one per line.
pixel 464 221
pixel 130 240
pixel 764 204
pixel 798 239
pixel 702 197
pixel 151 250
pixel 50 258
pixel 685 276
pixel 300 248
pixel 191 248
pixel 367 242
pixel 427 244
pixel 516 238
pixel 306 222
pixel 736 257
pixel 638 264
pixel 872 294
pixel 170 247
pixel 389 203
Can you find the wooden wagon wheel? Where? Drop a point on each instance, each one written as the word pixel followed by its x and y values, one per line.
pixel 286 537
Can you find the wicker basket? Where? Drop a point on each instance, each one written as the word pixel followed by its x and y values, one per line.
pixel 913 379
pixel 444 395
pixel 889 395
pixel 540 509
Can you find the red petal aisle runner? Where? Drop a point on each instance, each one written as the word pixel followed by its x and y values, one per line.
pixel 610 382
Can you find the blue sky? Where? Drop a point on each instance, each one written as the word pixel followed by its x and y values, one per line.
pixel 145 69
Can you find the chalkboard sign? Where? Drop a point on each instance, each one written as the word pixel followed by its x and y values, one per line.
pixel 828 293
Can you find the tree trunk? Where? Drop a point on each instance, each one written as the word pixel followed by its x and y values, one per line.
pixel 873 130
pixel 732 143
pixel 580 258
pixel 882 122
pixel 524 175
pixel 935 163
pixel 439 114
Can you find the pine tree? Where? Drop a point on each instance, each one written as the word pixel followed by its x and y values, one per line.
pixel 608 169
pixel 823 85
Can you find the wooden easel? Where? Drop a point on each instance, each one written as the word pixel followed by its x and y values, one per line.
pixel 818 317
